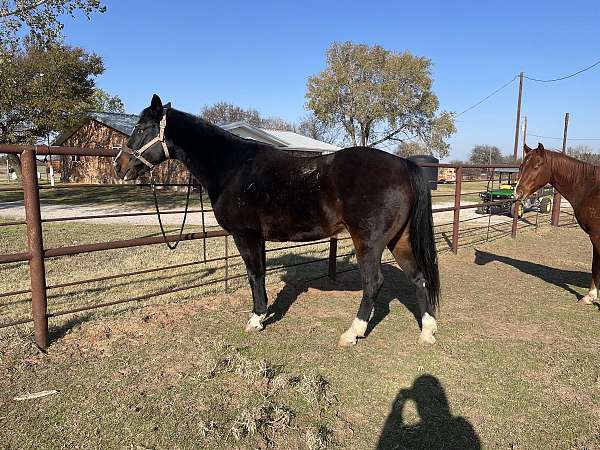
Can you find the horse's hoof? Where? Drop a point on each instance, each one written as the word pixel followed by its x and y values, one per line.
pixel 250 328
pixel 255 324
pixel 427 338
pixel 347 340
pixel 587 300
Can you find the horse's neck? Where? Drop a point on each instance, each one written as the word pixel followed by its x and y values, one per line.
pixel 210 153
pixel 571 177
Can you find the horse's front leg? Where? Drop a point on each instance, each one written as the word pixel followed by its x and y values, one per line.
pixel 252 249
pixel 592 295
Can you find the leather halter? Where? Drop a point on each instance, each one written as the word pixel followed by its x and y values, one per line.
pixel 159 139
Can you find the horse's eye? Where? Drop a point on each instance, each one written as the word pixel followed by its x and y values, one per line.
pixel 140 131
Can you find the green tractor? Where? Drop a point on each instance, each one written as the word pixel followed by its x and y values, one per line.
pixel 501 186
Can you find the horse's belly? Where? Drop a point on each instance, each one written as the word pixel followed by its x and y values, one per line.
pixel 282 228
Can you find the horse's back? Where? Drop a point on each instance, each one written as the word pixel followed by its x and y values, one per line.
pixel 372 186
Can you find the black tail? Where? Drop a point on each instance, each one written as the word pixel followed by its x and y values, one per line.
pixel 422 241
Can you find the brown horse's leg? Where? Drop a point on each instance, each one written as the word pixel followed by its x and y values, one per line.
pixel 402 251
pixel 368 255
pixel 592 295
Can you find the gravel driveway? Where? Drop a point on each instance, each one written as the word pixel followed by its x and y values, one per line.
pixel 15 211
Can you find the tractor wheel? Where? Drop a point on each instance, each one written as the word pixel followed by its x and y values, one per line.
pixel 518 212
pixel 545 205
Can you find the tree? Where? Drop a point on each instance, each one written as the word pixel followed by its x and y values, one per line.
pixel 104 102
pixel 377 95
pixel 485 155
pixel 584 153
pixel 223 113
pixel 40 19
pixel 45 90
pixel 410 148
pixel 314 128
pixel 276 123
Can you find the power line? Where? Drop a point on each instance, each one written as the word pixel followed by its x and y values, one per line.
pixel 565 77
pixel 487 97
pixel 560 138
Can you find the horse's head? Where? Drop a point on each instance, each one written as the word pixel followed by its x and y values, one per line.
pixel 534 172
pixel 147 146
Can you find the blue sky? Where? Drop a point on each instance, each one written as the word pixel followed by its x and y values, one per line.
pixel 260 54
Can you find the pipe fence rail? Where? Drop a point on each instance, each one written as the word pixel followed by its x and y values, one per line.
pixel 447 234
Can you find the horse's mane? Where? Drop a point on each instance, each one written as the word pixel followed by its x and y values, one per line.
pixel 208 129
pixel 569 169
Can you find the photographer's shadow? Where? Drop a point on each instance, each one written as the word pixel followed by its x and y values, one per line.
pixel 437 428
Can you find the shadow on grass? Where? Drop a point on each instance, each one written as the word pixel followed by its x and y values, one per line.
pixel 56 333
pixel 437 428
pixel 561 278
pixel 395 286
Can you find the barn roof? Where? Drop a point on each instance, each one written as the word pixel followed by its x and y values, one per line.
pixel 120 122
pixel 287 140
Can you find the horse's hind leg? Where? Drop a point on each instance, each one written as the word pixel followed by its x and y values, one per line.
pixel 402 251
pixel 369 261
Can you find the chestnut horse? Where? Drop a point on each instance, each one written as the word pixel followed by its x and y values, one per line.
pixel 579 183
pixel 260 193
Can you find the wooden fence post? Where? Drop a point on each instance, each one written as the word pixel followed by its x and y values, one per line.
pixel 455 222
pixel 35 246
pixel 556 200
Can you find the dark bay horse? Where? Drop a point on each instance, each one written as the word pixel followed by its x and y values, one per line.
pixel 260 193
pixel 579 183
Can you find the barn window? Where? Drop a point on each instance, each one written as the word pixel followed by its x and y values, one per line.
pixel 75 158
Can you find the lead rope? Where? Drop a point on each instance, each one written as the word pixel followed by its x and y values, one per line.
pixel 187 203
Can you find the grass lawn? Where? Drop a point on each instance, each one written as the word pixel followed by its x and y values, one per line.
pixel 469 189
pixel 516 363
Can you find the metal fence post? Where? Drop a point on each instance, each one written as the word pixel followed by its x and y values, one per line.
pixel 332 257
pixel 455 222
pixel 226 264
pixel 35 245
pixel 515 220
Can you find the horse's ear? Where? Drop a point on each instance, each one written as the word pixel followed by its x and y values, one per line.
pixel 527 148
pixel 156 105
pixel 168 105
pixel 540 146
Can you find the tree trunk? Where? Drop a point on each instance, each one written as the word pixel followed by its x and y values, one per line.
pixel 15 162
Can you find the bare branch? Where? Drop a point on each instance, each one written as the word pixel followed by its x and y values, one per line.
pixel 20 11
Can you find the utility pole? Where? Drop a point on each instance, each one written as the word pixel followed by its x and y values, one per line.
pixel 556 200
pixel 516 148
pixel 517 204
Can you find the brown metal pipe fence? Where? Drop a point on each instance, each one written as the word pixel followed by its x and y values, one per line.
pixel 36 253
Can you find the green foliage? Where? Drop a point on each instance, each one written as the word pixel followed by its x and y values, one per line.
pixel 486 154
pixel 410 148
pixel 376 94
pixel 104 102
pixel 46 90
pixel 39 19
